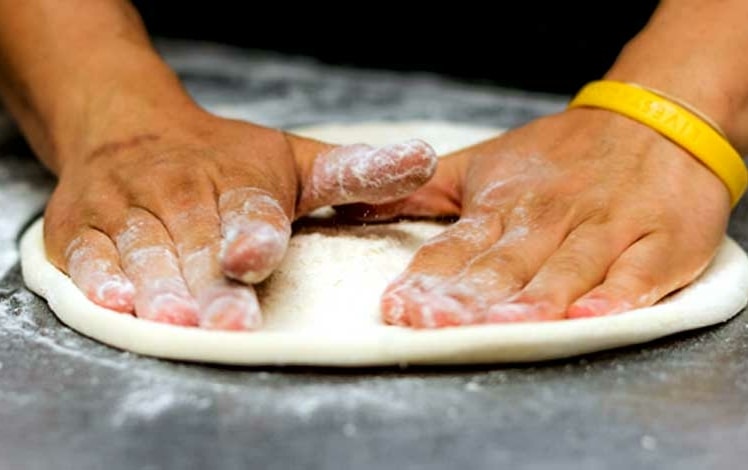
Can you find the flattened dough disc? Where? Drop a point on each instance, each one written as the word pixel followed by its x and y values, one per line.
pixel 321 306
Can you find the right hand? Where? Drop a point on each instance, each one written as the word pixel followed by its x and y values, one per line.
pixel 177 223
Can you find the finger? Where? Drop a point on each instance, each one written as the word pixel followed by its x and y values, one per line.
pixel 440 197
pixel 434 264
pixel 500 272
pixel 362 173
pixel 94 266
pixel 423 301
pixel 255 232
pixel 579 265
pixel 149 260
pixel 487 279
pixel 222 304
pixel 428 202
pixel 646 272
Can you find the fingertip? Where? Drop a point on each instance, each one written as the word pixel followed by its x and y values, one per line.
pixel 589 307
pixel 362 173
pixel 256 230
pixel 580 311
pixel 169 308
pixel 409 165
pixel 251 255
pixel 234 310
pixel 432 316
pixel 116 293
pixel 640 277
pixel 393 306
pixel 419 153
pixel 424 303
pixel 518 312
pixel 93 264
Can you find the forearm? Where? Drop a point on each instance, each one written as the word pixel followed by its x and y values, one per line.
pixel 696 50
pixel 64 66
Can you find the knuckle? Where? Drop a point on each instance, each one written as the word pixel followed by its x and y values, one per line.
pixel 170 180
pixel 575 264
pixel 638 278
pixel 182 191
pixel 596 211
pixel 60 231
pixel 505 263
pixel 430 251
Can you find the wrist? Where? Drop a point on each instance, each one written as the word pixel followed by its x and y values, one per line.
pixel 703 66
pixel 682 126
pixel 710 99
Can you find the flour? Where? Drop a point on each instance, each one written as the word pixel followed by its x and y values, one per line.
pixel 17 320
pixel 156 388
pixel 323 279
pixel 146 404
pixel 24 189
pixel 19 199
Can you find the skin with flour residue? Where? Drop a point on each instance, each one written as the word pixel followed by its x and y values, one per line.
pixel 187 252
pixel 98 278
pixel 255 231
pixel 152 264
pixel 359 172
pixel 548 232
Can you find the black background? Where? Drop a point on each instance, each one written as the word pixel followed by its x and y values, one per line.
pixel 540 46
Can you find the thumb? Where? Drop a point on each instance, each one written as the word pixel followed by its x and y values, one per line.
pixel 440 197
pixel 336 175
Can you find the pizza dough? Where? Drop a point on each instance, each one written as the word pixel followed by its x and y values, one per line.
pixel 321 306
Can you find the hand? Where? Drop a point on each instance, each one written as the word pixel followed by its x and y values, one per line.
pixel 172 223
pixel 579 214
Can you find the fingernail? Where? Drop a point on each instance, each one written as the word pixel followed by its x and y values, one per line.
pixel 116 293
pixel 392 303
pixel 511 312
pixel 596 307
pixel 251 255
pixel 409 164
pixel 171 308
pixel 96 277
pixel 425 302
pixel 235 310
pixel 436 310
pixel 393 309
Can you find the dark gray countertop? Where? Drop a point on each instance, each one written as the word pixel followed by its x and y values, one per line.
pixel 67 402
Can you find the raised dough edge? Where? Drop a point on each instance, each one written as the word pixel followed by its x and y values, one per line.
pixel 719 294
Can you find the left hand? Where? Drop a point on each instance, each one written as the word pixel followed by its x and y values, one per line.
pixel 582 213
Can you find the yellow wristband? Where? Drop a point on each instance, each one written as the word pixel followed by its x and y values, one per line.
pixel 674 122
